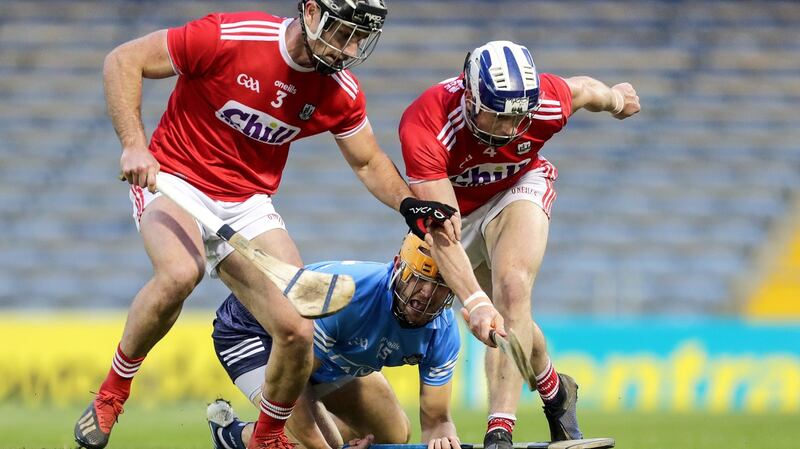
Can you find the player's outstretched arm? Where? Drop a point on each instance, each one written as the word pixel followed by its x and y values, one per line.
pixel 374 168
pixel 620 100
pixel 438 428
pixel 123 71
pixel 478 311
pixel 379 174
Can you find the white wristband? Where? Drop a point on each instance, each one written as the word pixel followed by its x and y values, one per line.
pixel 479 305
pixel 473 297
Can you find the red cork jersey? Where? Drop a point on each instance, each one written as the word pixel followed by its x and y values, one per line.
pixel 240 101
pixel 437 144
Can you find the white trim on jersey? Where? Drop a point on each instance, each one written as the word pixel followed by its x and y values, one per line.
pixel 550 113
pixel 353 131
pixel 250 30
pixel 322 340
pixel 346 82
pixel 240 37
pixel 443 370
pixel 448 80
pixel 265 23
pixel 171 61
pixel 347 77
pixel 324 335
pixel 455 121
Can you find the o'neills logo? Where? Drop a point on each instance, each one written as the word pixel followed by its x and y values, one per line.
pixel 256 124
pixel 488 173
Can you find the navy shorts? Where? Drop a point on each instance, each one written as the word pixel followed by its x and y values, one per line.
pixel 241 344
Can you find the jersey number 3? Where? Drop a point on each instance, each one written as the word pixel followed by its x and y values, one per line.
pixel 279 101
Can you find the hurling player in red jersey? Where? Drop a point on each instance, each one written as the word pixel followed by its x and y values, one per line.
pixel 248 84
pixel 473 142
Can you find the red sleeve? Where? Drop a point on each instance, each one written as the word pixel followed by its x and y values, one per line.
pixel 558 89
pixel 194 46
pixel 353 105
pixel 425 157
pixel 355 117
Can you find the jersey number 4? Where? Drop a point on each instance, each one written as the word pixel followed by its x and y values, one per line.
pixel 279 101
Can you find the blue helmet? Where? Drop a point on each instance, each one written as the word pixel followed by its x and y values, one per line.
pixel 502 92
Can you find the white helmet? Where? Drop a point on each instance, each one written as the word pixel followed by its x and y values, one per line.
pixel 502 92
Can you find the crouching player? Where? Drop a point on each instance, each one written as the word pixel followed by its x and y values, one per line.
pixel 400 315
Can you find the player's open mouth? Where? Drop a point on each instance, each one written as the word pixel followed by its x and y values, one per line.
pixel 416 305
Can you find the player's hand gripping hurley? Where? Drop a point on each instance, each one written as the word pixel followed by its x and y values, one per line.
pixel 313 294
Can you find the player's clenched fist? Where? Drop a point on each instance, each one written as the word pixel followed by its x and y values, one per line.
pixel 626 101
pixel 139 167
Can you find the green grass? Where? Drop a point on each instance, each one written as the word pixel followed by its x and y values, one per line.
pixel 184 427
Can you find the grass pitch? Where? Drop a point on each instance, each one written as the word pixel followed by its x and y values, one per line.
pixel 183 427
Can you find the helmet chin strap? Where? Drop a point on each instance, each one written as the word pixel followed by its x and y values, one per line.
pixel 318 65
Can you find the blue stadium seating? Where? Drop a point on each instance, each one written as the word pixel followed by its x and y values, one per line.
pixel 661 213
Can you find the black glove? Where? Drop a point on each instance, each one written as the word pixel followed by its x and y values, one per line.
pixel 417 212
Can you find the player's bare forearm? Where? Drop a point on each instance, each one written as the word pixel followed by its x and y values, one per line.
pixel 383 180
pixel 588 93
pixel 123 71
pixel 122 83
pixel 434 412
pixel 454 264
pixel 374 168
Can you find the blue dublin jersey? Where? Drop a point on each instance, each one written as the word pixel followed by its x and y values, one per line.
pixel 365 336
pixel 361 338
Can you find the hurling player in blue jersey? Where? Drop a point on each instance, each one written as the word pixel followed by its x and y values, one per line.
pixel 400 315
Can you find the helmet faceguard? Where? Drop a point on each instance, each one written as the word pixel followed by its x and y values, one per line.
pixel 347 32
pixel 502 92
pixel 420 293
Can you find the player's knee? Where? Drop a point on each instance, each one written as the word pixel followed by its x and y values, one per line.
pixel 404 431
pixel 513 292
pixel 179 281
pixel 408 428
pixel 399 432
pixel 300 333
